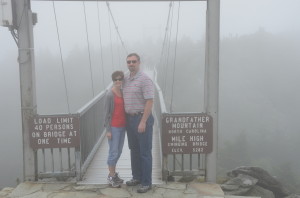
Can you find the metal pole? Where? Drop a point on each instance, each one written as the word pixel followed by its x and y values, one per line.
pixel 27 83
pixel 211 100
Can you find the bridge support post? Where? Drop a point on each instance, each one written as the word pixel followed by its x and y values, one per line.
pixel 212 81
pixel 24 27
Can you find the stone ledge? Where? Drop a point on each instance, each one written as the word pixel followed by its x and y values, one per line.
pixel 73 190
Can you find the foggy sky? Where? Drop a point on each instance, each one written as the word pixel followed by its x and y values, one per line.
pixel 147 20
pixel 136 21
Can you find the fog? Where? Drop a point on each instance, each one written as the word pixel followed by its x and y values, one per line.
pixel 259 73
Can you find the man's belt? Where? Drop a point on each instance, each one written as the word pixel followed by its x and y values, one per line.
pixel 135 113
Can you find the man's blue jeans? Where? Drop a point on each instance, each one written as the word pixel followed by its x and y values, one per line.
pixel 116 144
pixel 140 145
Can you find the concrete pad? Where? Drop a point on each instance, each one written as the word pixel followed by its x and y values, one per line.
pixel 207 189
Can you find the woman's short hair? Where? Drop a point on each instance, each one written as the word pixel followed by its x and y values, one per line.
pixel 116 74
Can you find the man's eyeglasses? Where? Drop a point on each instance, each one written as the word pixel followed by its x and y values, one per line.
pixel 118 79
pixel 131 61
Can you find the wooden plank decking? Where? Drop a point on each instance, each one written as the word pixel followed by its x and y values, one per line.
pixel 97 171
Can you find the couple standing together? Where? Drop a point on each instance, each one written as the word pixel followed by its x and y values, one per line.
pixel 128 108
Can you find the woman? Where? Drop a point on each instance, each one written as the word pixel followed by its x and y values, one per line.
pixel 115 122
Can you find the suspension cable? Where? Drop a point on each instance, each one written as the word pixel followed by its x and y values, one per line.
pixel 168 50
pixel 166 29
pixel 88 43
pixel 116 27
pixel 165 39
pixel 111 45
pixel 118 56
pixel 174 65
pixel 101 48
pixel 61 57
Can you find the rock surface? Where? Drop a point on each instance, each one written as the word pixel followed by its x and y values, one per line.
pixel 254 181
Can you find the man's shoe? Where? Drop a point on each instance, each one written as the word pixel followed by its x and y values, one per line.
pixel 143 189
pixel 118 179
pixel 112 182
pixel 133 182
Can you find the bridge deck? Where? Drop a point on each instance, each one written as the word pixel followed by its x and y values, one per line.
pixel 97 171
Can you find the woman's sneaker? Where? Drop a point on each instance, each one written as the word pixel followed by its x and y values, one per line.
pixel 112 182
pixel 118 179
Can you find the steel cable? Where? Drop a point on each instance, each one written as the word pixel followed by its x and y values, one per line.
pixel 61 57
pixel 88 43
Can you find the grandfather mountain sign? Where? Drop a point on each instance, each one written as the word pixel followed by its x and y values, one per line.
pixel 187 133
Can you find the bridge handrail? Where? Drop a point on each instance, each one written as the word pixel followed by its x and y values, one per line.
pixel 161 99
pixel 175 164
pixel 91 103
pixel 92 129
pixel 160 94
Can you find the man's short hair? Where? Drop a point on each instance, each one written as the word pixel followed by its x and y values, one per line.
pixel 134 54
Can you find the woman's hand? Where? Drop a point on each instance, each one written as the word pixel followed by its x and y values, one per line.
pixel 108 135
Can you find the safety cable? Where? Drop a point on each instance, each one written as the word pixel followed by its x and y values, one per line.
pixel 87 38
pixel 61 57
pixel 101 48
pixel 175 54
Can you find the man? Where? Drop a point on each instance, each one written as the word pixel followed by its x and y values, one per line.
pixel 138 93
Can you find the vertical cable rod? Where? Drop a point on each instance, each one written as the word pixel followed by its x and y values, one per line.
pixel 61 57
pixel 174 63
pixel 88 43
pixel 100 43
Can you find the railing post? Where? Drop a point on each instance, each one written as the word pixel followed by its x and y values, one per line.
pixel 24 26
pixel 212 81
pixel 78 163
pixel 165 172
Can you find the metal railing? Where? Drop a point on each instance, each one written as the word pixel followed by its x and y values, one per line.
pixel 175 164
pixel 56 163
pixel 91 132
pixel 63 163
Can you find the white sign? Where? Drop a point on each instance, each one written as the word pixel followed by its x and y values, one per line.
pixel 6 15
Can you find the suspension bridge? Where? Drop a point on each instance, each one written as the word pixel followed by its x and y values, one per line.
pixel 82 153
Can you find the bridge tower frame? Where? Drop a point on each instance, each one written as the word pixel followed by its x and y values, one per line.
pixel 23 18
